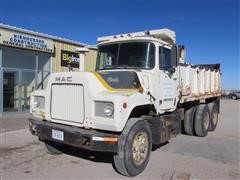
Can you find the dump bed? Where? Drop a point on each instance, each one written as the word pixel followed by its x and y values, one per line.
pixel 199 81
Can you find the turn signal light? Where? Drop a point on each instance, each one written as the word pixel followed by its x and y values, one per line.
pixel 124 105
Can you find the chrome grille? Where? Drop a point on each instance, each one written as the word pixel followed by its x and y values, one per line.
pixel 67 102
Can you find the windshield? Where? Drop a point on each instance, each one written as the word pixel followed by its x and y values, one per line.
pixel 134 55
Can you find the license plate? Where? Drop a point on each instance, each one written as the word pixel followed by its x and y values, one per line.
pixel 58 135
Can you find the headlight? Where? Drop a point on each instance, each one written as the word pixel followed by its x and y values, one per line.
pixel 108 110
pixel 39 102
pixel 104 109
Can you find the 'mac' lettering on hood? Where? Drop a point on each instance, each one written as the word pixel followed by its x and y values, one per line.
pixel 63 79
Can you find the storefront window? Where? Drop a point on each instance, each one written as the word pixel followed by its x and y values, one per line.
pixel 44 62
pixel 42 79
pixel 10 90
pixel 17 58
pixel 23 72
pixel 27 86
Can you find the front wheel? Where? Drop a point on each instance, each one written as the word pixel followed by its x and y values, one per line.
pixel 134 148
pixel 50 148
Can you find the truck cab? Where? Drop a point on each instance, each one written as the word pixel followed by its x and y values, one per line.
pixel 137 72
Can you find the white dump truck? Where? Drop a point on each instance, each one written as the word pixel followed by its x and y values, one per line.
pixel 141 94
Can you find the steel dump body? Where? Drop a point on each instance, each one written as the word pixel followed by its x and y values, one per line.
pixel 198 82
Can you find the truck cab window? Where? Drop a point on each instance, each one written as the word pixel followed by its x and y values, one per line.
pixel 131 55
pixel 164 58
pixel 108 56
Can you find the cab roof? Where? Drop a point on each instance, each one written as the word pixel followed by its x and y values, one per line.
pixel 165 36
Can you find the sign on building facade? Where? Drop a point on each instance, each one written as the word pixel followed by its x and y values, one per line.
pixel 70 58
pixel 26 41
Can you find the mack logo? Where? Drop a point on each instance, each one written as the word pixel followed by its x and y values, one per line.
pixel 63 79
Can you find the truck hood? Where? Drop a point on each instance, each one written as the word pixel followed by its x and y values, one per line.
pixel 124 82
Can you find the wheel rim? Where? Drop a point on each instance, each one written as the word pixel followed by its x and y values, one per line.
pixel 234 97
pixel 215 117
pixel 206 121
pixel 140 148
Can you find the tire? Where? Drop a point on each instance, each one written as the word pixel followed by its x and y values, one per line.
pixel 213 116
pixel 202 120
pixel 234 97
pixel 134 148
pixel 50 148
pixel 188 120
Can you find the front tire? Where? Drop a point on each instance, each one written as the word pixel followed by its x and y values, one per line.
pixel 134 148
pixel 50 148
pixel 202 120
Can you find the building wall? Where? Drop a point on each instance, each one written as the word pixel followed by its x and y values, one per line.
pixel 26 61
pixel 90 60
pixel 90 57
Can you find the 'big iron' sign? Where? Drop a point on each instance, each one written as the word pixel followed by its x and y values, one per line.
pixel 70 58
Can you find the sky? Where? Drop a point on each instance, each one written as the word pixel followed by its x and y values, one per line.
pixel 209 29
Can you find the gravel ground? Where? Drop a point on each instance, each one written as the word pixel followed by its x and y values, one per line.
pixel 216 156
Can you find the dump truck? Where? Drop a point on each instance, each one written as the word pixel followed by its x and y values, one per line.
pixel 141 94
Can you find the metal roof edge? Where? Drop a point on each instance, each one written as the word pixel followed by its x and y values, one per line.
pixel 92 47
pixel 14 28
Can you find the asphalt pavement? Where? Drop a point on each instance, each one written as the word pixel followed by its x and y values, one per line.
pixel 216 156
pixel 11 121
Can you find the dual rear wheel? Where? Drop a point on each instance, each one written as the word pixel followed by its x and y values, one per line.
pixel 200 119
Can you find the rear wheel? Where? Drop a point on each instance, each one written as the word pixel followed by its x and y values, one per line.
pixel 213 116
pixel 134 148
pixel 202 120
pixel 188 120
pixel 50 148
pixel 234 97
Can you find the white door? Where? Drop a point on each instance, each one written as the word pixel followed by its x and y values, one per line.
pixel 168 81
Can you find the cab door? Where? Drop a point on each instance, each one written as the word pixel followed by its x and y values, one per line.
pixel 168 79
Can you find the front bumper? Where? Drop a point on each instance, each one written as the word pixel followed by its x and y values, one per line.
pixel 74 136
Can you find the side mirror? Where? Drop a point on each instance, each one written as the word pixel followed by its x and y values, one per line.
pixel 181 53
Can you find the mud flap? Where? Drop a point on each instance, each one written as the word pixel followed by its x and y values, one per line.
pixel 164 127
